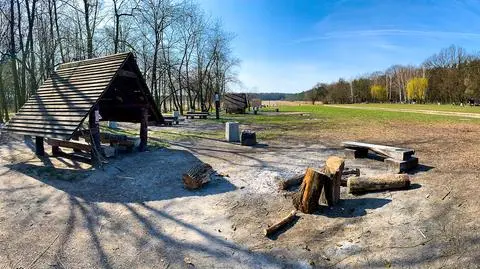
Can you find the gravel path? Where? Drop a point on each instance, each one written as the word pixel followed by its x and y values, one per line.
pixel 420 111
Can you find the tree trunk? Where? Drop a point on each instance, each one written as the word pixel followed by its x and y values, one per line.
pixel 3 100
pixel 13 61
pixel 23 76
pixel 59 40
pixel 378 183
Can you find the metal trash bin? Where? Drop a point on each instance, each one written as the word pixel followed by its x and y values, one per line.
pixel 248 138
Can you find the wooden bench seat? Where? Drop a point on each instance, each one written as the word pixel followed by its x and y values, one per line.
pixel 386 151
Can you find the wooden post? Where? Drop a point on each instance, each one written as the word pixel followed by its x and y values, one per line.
pixel 75 138
pixel 217 105
pixel 93 125
pixel 143 130
pixel 55 150
pixel 39 149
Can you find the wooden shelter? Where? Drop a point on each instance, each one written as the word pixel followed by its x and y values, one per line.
pixel 108 88
pixel 235 102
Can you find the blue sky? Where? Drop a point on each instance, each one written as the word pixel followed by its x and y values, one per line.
pixel 288 46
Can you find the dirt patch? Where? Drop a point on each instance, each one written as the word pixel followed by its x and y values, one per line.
pixel 135 212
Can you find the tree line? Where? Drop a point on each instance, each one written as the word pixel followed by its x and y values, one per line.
pixel 449 76
pixel 184 54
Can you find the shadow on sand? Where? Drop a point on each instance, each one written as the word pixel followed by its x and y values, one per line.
pixel 141 177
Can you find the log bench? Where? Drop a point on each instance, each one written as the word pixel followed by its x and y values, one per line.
pixel 114 140
pixel 75 145
pixel 200 115
pixel 397 159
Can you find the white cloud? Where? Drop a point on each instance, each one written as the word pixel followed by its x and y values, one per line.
pixel 388 32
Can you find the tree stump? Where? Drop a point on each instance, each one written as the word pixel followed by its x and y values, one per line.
pixel 364 184
pixel 307 198
pixel 333 169
pixel 197 176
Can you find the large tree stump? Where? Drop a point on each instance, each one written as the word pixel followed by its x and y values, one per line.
pixel 333 169
pixel 364 184
pixel 197 176
pixel 307 198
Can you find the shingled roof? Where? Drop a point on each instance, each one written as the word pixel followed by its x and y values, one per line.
pixel 113 83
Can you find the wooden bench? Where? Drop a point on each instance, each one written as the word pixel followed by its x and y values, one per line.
pixel 115 140
pixel 75 145
pixel 397 159
pixel 170 120
pixel 200 115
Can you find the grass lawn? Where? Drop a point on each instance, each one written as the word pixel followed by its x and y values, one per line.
pixel 311 123
pixel 451 108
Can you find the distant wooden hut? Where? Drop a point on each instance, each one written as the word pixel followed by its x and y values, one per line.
pixel 235 103
pixel 109 88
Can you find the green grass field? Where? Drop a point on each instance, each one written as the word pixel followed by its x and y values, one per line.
pixel 308 121
pixel 371 115
pixel 450 108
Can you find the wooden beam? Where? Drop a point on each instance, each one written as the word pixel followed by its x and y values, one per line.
pixel 56 143
pixel 143 130
pixel 39 148
pixel 128 74
pixel 94 127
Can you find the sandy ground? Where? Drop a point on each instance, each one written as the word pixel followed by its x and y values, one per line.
pixel 135 213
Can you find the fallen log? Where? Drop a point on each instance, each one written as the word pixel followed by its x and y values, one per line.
pixel 197 176
pixel 307 198
pixel 277 226
pixel 297 179
pixel 364 184
pixel 348 172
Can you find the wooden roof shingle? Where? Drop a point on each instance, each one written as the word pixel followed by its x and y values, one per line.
pixel 65 99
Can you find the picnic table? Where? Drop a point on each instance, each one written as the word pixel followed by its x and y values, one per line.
pixel 200 115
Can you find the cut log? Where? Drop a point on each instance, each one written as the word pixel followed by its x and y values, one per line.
pixel 197 176
pixel 349 172
pixel 364 184
pixel 297 179
pixel 290 182
pixel 333 169
pixel 307 198
pixel 277 226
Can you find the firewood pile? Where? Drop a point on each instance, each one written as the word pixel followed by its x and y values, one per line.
pixel 197 176
pixel 322 186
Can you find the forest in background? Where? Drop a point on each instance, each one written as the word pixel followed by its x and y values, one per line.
pixel 184 54
pixel 449 76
